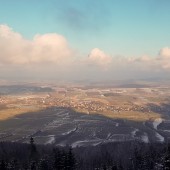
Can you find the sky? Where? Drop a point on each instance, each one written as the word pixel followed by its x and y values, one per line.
pixel 84 39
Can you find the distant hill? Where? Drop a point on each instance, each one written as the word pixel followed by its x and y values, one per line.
pixel 20 89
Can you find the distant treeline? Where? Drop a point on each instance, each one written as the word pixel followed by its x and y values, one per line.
pixel 111 156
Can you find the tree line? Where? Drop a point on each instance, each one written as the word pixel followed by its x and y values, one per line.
pixel 129 155
pixel 16 156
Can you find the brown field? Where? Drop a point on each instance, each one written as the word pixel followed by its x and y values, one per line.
pixel 9 113
pixel 90 102
pixel 131 115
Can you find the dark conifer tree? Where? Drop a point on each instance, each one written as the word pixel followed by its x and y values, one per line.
pixel 114 167
pixel 71 160
pixel 58 159
pixel 43 164
pixel 33 150
pixel 3 165
pixel 104 167
pixel 166 164
pixel 33 165
pixel 137 160
pixel 13 165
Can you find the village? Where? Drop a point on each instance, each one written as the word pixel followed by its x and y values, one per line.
pixel 92 100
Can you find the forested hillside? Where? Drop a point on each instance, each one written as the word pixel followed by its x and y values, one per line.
pixel 112 156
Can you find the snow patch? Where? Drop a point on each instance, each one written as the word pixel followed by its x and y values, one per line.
pixel 134 132
pixel 159 137
pixel 51 140
pixel 145 138
pixel 166 130
pixel 70 131
pixel 108 136
pixel 86 142
pixel 157 122
pixel 117 124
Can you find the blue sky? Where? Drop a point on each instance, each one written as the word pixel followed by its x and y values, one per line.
pixel 119 27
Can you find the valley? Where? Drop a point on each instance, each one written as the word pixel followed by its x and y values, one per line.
pixel 82 116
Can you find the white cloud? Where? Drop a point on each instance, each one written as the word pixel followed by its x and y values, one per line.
pixel 7 33
pixel 164 58
pixel 164 53
pixel 14 49
pixel 100 58
pixel 50 55
pixel 50 47
pixel 144 58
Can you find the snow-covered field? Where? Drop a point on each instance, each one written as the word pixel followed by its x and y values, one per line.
pixel 64 127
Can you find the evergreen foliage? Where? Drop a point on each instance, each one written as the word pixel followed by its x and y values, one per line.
pixel 113 156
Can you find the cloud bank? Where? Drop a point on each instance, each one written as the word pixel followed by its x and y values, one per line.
pixel 51 56
pixel 14 49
